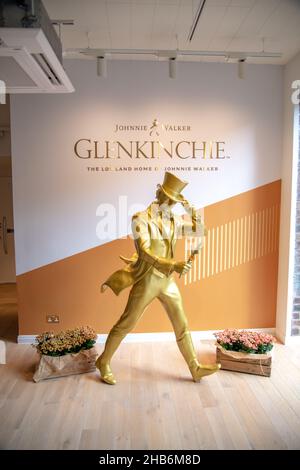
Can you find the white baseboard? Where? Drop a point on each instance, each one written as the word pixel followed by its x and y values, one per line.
pixel 26 339
pixel 152 337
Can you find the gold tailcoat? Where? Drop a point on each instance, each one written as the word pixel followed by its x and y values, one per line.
pixel 154 243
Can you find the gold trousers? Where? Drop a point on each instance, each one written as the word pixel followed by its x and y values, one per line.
pixel 152 286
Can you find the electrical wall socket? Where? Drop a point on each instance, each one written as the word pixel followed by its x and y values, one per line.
pixel 52 318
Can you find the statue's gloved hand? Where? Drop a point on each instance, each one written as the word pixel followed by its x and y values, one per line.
pixel 182 267
pixel 194 226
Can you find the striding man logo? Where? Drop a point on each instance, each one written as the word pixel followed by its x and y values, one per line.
pixel 154 129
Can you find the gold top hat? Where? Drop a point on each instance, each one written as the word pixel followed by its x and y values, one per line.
pixel 172 187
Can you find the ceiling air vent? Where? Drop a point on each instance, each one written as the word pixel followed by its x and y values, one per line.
pixel 48 70
pixel 30 51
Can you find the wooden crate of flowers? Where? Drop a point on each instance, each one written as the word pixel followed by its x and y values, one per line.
pixel 66 353
pixel 245 351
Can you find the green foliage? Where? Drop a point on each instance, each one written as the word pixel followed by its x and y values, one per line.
pixel 87 345
pixel 240 347
pixel 65 342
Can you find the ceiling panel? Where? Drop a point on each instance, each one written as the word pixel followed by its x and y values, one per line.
pixel 183 23
pixel 164 22
pixel 243 3
pixel 142 24
pixel 64 8
pixel 94 17
pixel 257 17
pixel 119 23
pixel 217 3
pixel 231 21
pixel 236 44
pixel 285 19
pixel 245 44
pixel 154 24
pixel 168 2
pixel 208 25
pixel 75 39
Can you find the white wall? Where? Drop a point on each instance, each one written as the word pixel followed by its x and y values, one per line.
pixel 288 204
pixel 55 198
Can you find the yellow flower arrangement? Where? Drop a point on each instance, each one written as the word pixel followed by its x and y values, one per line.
pixel 65 342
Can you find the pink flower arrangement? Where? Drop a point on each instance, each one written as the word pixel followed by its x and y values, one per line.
pixel 245 341
pixel 64 342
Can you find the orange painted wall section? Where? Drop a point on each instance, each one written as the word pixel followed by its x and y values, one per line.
pixel 233 282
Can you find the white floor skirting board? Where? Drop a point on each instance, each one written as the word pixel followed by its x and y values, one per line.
pixel 152 337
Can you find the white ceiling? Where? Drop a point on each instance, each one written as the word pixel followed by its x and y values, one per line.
pixel 224 25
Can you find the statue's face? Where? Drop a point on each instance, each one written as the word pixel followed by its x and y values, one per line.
pixel 164 201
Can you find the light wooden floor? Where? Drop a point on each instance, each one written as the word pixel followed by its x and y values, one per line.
pixel 155 405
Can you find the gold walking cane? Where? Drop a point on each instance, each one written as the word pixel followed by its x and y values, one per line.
pixel 194 252
pixel 149 273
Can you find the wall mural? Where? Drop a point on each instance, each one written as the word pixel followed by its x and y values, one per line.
pixel 95 159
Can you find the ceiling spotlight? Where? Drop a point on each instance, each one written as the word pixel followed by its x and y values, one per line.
pixel 101 66
pixel 241 68
pixel 172 67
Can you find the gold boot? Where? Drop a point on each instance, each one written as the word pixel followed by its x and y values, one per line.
pixel 197 370
pixel 105 372
pixel 112 343
pixel 201 370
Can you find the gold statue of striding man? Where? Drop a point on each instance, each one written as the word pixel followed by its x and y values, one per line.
pixel 150 273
